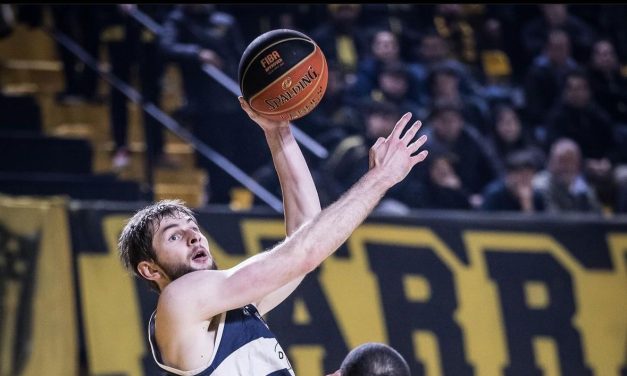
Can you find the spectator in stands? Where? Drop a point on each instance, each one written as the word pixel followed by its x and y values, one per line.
pixel 451 24
pixel 509 135
pixel 579 118
pixel 132 45
pixel 81 23
pixel 384 50
pixel 557 16
pixel 195 36
pixel 562 184
pixel 335 118
pixel 256 19
pixel 442 188
pixel 609 86
pixel 373 359
pixel 342 39
pixel 545 78
pixel 612 24
pixel 444 86
pixel 474 160
pixel 394 85
pixel 433 52
pixel 498 71
pixel 514 191
pixel 350 158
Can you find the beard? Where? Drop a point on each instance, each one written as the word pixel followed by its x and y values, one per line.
pixel 176 271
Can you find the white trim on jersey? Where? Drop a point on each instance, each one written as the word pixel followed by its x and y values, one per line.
pixel 199 369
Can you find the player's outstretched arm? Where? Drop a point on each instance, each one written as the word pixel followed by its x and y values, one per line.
pixel 300 197
pixel 207 293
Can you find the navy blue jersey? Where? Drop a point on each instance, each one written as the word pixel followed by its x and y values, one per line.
pixel 244 345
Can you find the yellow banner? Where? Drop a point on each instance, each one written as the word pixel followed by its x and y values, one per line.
pixel 38 326
pixel 472 295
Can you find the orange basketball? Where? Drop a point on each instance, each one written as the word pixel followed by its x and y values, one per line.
pixel 283 74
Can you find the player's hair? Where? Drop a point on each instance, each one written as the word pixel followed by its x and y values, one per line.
pixel 374 359
pixel 135 242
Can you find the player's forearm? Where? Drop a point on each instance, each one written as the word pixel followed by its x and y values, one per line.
pixel 322 236
pixel 300 198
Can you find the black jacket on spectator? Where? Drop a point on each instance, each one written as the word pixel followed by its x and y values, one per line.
pixel 498 198
pixel 475 164
pixel 610 92
pixel 590 128
pixel 543 84
pixel 581 35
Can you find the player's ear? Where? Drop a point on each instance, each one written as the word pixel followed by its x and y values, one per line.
pixel 149 270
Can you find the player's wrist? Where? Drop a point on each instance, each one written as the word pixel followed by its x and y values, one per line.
pixel 379 180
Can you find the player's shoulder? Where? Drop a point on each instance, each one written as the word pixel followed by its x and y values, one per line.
pixel 187 289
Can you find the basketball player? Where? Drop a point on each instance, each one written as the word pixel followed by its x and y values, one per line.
pixel 209 321
pixel 373 359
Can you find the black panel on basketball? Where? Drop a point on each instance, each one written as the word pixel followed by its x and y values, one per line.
pixel 255 73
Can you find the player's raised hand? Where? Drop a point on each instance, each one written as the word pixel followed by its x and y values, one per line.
pixel 393 157
pixel 264 123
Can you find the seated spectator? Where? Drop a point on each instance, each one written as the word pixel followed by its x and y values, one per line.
pixel 557 16
pixel 612 24
pixel 578 117
pixel 432 51
pixel 350 158
pixel 442 188
pixel 384 50
pixel 335 118
pixel 393 85
pixel 509 135
pixel 496 67
pixel 474 160
pixel 451 24
pixel 562 184
pixel 609 86
pixel 514 191
pixel 444 86
pixel 343 41
pixel 545 79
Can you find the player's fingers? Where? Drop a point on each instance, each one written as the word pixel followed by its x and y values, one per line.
pixel 414 146
pixel 379 141
pixel 411 132
pixel 246 107
pixel 419 157
pixel 400 125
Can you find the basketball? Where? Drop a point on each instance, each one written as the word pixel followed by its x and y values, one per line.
pixel 283 74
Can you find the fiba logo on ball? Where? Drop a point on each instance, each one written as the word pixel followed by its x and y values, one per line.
pixel 271 61
pixel 283 74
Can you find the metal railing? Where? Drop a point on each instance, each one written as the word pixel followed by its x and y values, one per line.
pixel 228 83
pixel 152 110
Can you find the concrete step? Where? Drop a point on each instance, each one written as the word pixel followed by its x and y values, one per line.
pixel 194 196
pixel 26 43
pixel 45 75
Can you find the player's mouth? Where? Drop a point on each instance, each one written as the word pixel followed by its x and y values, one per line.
pixel 200 255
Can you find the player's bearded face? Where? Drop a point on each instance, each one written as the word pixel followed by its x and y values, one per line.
pixel 175 271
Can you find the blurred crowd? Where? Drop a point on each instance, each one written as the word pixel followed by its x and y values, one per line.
pixel 525 105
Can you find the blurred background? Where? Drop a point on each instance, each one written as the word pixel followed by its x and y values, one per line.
pixel 504 253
